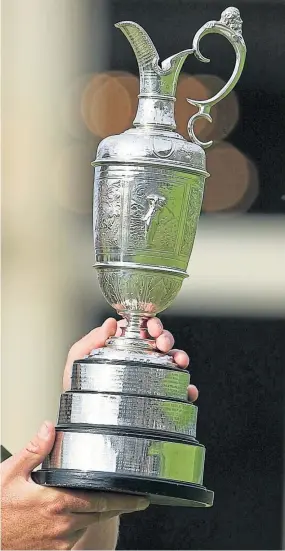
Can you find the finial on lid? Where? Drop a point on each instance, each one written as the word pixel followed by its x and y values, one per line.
pixel 231 18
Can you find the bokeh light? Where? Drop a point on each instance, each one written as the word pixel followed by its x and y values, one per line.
pixel 109 102
pixel 225 114
pixel 103 104
pixel 189 87
pixel 252 189
pixel 70 109
pixel 233 184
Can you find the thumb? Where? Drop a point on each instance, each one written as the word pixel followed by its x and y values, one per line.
pixel 23 462
pixel 94 339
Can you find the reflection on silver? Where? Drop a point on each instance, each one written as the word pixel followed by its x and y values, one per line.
pixel 130 379
pixel 148 192
pixel 128 455
pixel 152 161
pixel 126 349
pixel 152 264
pixel 135 412
pixel 229 26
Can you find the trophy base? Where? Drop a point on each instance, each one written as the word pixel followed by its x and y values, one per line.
pixel 126 426
pixel 166 492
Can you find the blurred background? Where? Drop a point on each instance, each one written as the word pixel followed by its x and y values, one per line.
pixel 68 80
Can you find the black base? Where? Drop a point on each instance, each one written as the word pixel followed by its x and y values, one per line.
pixel 177 494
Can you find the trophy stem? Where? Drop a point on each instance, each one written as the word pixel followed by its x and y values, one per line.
pixel 136 326
pixel 135 333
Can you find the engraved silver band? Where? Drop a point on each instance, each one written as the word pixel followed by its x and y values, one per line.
pixel 130 379
pixel 144 162
pixel 117 355
pixel 127 455
pixel 135 412
pixel 133 266
pixel 157 96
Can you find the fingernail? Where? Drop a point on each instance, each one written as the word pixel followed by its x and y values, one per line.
pixel 158 323
pixel 44 431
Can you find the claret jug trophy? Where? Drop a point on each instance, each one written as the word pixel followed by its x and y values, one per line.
pixel 126 425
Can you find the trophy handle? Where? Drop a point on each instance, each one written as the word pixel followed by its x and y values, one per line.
pixel 230 26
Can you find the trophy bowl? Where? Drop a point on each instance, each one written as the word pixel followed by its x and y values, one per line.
pixel 126 424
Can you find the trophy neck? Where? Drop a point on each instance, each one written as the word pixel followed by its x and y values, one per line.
pixel 155 111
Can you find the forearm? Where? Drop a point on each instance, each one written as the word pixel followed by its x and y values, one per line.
pixel 103 535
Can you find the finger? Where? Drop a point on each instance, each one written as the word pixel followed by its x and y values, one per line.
pixel 165 341
pixel 79 521
pixel 154 327
pixel 32 455
pixel 106 538
pixel 180 357
pixel 97 502
pixel 95 339
pixel 193 393
pixel 83 520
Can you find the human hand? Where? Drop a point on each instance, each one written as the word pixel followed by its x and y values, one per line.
pixel 97 338
pixel 37 517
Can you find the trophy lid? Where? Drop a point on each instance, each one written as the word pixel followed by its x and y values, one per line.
pixel 154 148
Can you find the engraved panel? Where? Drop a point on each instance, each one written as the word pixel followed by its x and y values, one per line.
pixel 126 379
pixel 136 412
pixel 195 199
pixel 138 290
pixel 107 211
pixel 128 455
pixel 140 212
pixel 138 200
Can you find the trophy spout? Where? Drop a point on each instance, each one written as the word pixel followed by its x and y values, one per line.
pixel 143 47
pixel 155 81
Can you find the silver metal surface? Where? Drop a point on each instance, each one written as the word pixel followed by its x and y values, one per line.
pixel 136 412
pixel 148 191
pixel 130 379
pixel 149 181
pixel 229 26
pixel 152 257
pixel 129 349
pixel 128 455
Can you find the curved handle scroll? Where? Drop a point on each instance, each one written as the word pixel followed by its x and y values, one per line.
pixel 230 26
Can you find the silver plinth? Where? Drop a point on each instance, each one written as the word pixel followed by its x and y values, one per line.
pixel 126 424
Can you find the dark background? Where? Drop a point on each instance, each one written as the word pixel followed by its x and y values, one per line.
pixel 238 364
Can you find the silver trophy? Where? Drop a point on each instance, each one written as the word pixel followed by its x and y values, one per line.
pixel 126 424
